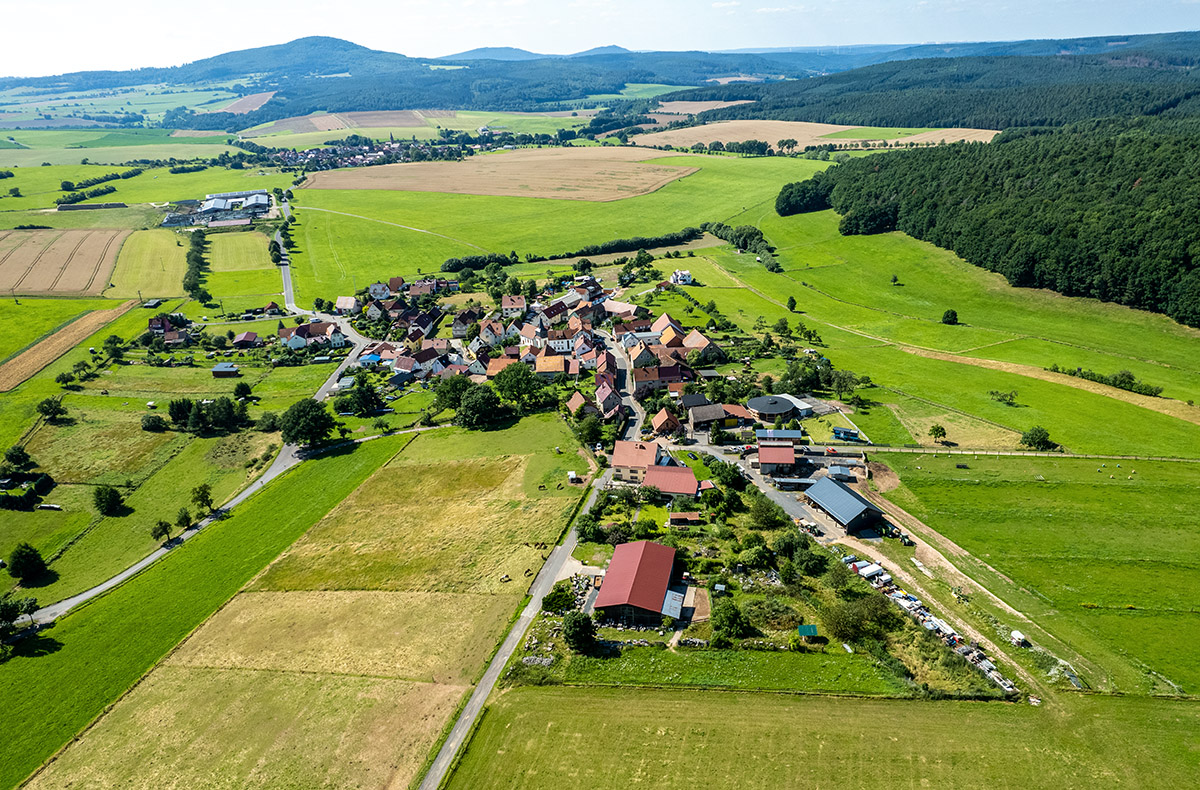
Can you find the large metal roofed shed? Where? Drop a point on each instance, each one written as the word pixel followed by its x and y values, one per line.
pixel 843 504
pixel 635 587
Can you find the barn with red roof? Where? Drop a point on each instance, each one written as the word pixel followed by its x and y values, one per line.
pixel 636 586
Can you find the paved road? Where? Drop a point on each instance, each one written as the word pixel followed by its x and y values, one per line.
pixel 541 585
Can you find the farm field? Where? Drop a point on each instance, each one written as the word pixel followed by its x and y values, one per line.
pixel 694 107
pixel 240 266
pixel 595 174
pixel 535 738
pixel 39 186
pixel 1101 554
pixel 312 130
pixel 133 218
pixel 114 155
pixel 29 320
pixel 53 685
pixel 151 263
pixel 21 366
pixel 803 132
pixel 152 100
pixel 67 262
pixel 383 650
pixel 333 249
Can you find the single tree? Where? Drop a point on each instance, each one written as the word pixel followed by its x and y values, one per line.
pixel 306 422
pixel 108 500
pixel 52 409
pixel 1038 438
pixel 183 519
pixel 950 317
pixel 65 379
pixel 579 631
pixel 791 304
pixel 241 390
pixel 937 432
pixel 479 407
pixel 154 423
pixel 25 563
pixel 518 384
pixel 895 280
pixel 202 497
pixel 161 531
pixel 838 576
pixel 18 456
pixel 843 382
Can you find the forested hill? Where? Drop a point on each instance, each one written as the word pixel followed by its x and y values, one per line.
pixel 1106 209
pixel 978 92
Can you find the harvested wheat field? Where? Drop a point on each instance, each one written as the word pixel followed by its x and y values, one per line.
pixel 430 637
pixel 184 727
pixel 693 107
pixel 248 103
pixel 60 262
pixel 592 174
pixel 952 136
pixel 335 122
pixel 803 132
pixel 30 361
pixel 199 133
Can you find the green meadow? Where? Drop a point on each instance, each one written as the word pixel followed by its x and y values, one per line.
pixel 27 320
pixel 534 738
pixel 1100 554
pixel 151 263
pixel 56 683
pixel 336 252
pixel 39 186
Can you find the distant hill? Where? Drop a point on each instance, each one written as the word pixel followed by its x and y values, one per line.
pixel 986 84
pixel 495 53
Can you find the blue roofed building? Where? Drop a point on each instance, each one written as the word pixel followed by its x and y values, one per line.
pixel 844 505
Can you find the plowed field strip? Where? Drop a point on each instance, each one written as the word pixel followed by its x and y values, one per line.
pixel 104 257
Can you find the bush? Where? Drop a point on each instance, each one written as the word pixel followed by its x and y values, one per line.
pixel 560 598
pixel 579 631
pixel 153 422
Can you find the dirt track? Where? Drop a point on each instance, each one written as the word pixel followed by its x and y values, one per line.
pixel 31 360
pixel 593 174
pixel 248 103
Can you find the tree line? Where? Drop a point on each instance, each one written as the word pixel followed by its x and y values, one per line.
pixel 197 244
pixel 1102 209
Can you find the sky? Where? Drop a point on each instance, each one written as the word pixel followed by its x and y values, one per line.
pixel 57 36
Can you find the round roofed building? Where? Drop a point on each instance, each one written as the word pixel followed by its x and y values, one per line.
pixel 768 408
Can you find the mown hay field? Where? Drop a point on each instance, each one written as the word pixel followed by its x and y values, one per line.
pixel 599 173
pixel 66 262
pixel 535 738
pixel 377 540
pixel 186 727
pixel 151 263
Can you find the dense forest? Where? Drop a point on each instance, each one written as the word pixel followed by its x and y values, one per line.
pixel 977 92
pixel 1108 209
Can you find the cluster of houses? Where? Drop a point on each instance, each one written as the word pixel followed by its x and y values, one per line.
pixel 662 353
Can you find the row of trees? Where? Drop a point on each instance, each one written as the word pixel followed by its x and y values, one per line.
pixel 196 264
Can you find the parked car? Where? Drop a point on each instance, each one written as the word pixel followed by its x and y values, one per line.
pixel 831 451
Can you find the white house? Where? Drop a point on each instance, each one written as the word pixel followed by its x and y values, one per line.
pixel 681 277
pixel 379 290
pixel 346 305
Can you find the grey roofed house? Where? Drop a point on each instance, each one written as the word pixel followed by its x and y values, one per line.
pixel 703 415
pixel 843 504
pixel 691 401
